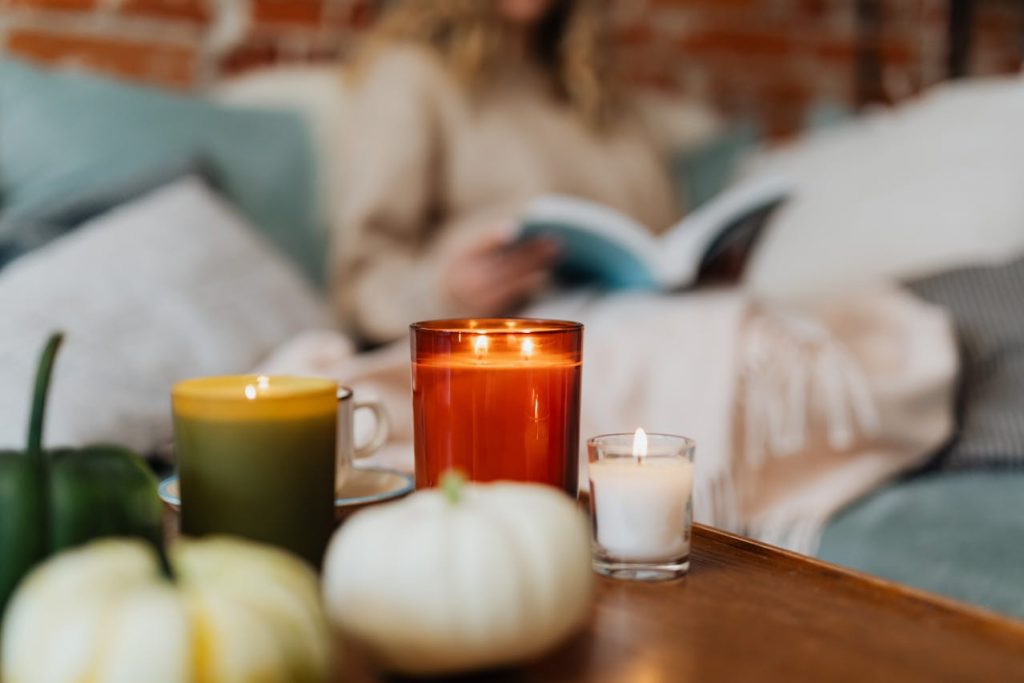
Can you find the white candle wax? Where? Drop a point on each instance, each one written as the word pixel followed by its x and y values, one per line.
pixel 640 507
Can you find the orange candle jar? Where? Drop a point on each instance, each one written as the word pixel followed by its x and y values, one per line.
pixel 497 399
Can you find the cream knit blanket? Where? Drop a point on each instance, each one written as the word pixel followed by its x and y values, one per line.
pixel 795 415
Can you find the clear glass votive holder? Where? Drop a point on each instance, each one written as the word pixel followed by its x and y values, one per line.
pixel 641 489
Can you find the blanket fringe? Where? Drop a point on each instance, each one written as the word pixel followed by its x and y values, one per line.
pixel 793 374
pixel 784 391
pixel 716 501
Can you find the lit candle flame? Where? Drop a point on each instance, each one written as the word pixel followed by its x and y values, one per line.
pixel 527 348
pixel 250 392
pixel 480 345
pixel 639 445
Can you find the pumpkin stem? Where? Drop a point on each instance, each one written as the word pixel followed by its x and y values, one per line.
pixel 452 483
pixel 166 570
pixel 40 392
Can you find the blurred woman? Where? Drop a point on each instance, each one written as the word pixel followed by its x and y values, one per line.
pixel 465 110
pixel 462 112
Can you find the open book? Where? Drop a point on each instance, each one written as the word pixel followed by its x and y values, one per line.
pixel 603 247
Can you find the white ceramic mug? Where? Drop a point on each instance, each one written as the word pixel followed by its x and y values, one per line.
pixel 348 451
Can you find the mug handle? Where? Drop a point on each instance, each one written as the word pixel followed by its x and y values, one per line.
pixel 380 437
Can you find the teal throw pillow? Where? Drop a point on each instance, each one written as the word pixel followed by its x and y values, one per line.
pixel 65 134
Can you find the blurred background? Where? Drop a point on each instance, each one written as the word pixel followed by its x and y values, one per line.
pixel 173 178
pixel 770 61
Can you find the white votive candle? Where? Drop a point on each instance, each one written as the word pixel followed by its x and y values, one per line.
pixel 640 507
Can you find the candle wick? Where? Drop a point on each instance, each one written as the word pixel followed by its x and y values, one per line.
pixel 480 346
pixel 639 445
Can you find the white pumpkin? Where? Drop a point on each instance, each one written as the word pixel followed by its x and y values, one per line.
pixel 460 578
pixel 236 612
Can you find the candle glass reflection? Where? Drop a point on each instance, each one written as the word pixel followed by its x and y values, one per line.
pixel 497 399
pixel 641 504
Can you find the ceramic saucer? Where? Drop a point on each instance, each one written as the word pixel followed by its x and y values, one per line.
pixel 364 486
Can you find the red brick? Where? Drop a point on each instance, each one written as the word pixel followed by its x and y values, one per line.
pixel 308 12
pixel 700 5
pixel 842 50
pixel 360 14
pixel 634 34
pixel 249 55
pixel 745 42
pixel 350 15
pixel 170 65
pixel 187 10
pixel 787 90
pixel 768 58
pixel 812 9
pixel 781 123
pixel 895 50
pixel 64 5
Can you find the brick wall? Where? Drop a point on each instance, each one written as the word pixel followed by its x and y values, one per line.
pixel 767 59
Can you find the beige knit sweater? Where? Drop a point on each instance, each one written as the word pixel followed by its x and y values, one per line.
pixel 429 167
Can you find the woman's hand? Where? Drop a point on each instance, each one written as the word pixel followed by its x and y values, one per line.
pixel 494 277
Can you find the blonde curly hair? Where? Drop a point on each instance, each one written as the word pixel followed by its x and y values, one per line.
pixel 570 42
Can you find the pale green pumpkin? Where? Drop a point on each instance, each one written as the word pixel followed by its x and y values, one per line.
pixel 235 612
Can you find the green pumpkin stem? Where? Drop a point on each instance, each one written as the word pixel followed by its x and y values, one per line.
pixel 166 570
pixel 40 393
pixel 452 484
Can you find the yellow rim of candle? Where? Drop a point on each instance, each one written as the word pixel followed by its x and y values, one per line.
pixel 254 397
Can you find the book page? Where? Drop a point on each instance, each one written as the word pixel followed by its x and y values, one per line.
pixel 587 226
pixel 684 245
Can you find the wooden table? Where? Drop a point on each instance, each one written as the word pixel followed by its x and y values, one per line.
pixel 750 612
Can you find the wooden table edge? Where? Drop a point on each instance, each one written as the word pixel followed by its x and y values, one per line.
pixel 939 601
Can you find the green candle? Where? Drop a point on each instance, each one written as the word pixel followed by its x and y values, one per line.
pixel 256 458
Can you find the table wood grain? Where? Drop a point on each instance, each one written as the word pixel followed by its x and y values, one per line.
pixel 750 612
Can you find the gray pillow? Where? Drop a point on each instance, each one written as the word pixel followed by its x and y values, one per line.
pixel 65 133
pixel 60 215
pixel 987 305
pixel 172 285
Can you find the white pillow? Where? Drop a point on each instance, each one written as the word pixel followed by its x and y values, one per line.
pixel 172 285
pixel 935 183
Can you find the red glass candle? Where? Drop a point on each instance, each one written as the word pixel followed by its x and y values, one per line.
pixel 497 399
